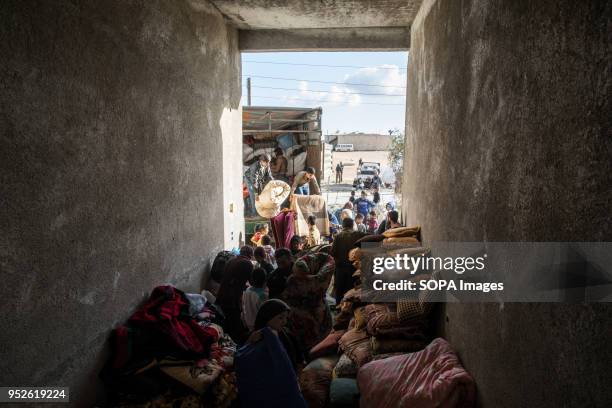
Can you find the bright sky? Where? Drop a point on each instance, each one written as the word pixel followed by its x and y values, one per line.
pixel 345 108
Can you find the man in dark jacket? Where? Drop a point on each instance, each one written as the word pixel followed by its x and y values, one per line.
pixel 277 280
pixel 343 243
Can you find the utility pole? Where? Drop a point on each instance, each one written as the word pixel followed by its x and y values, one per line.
pixel 249 91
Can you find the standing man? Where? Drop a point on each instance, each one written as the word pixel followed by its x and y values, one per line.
pixel 303 181
pixel 341 172
pixel 338 173
pixel 343 243
pixel 257 176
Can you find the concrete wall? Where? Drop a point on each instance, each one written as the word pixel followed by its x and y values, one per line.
pixel 114 118
pixel 363 141
pixel 508 139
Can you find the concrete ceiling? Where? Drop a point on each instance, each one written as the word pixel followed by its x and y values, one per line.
pixel 296 14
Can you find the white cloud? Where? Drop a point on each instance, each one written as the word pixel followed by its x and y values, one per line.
pixel 391 79
pixel 390 76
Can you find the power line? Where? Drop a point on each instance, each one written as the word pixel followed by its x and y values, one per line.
pixel 316 100
pixel 327 92
pixel 317 65
pixel 324 82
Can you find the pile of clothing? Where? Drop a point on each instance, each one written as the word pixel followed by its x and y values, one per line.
pixel 172 351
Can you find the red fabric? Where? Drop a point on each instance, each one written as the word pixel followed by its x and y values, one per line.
pixel 433 377
pixel 283 227
pixel 166 313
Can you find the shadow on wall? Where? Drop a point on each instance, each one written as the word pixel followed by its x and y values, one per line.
pixel 109 155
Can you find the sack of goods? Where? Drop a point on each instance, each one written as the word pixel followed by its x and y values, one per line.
pixel 271 198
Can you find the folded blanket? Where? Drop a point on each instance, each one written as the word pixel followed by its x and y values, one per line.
pixel 433 377
pixel 387 345
pixel 413 310
pixel 401 240
pixel 372 239
pixel 356 345
pixel 361 320
pixel 402 232
pixel 346 368
pixel 315 380
pixel 353 295
pixel 383 321
pixel 328 345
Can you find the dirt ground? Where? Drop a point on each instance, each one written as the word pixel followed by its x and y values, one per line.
pixel 337 195
pixel 351 160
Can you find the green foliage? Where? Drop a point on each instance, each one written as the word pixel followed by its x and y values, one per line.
pixel 396 152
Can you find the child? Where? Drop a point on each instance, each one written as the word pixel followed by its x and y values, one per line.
pixel 266 242
pixel 260 231
pixel 262 262
pixel 253 297
pixel 359 223
pixel 296 245
pixel 314 235
pixel 372 222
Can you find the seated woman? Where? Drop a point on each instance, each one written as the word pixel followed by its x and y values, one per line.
pixel 310 317
pixel 264 371
pixel 273 314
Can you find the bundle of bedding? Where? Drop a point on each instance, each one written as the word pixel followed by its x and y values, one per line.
pixel 433 377
pixel 315 380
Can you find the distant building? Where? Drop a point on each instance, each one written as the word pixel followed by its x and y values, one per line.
pixel 361 141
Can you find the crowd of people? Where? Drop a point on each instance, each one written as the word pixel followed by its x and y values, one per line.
pixel 283 291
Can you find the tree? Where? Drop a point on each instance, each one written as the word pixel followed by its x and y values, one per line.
pixel 396 156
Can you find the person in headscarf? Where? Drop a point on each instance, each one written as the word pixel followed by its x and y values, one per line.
pixel 236 274
pixel 267 365
pixel 274 314
pixel 310 319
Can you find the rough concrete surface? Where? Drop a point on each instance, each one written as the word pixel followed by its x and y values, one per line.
pixel 292 14
pixel 508 139
pixel 326 39
pixel 110 151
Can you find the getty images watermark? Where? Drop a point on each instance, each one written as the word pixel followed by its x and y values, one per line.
pixel 488 272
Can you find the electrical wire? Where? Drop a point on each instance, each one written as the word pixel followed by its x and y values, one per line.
pixel 324 82
pixel 324 102
pixel 327 92
pixel 317 65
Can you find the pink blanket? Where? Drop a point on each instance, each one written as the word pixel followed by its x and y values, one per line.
pixel 433 377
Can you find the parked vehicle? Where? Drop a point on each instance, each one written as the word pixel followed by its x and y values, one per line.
pixel 369 166
pixel 344 147
pixel 364 178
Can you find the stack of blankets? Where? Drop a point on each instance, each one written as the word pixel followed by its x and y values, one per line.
pixel 381 354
